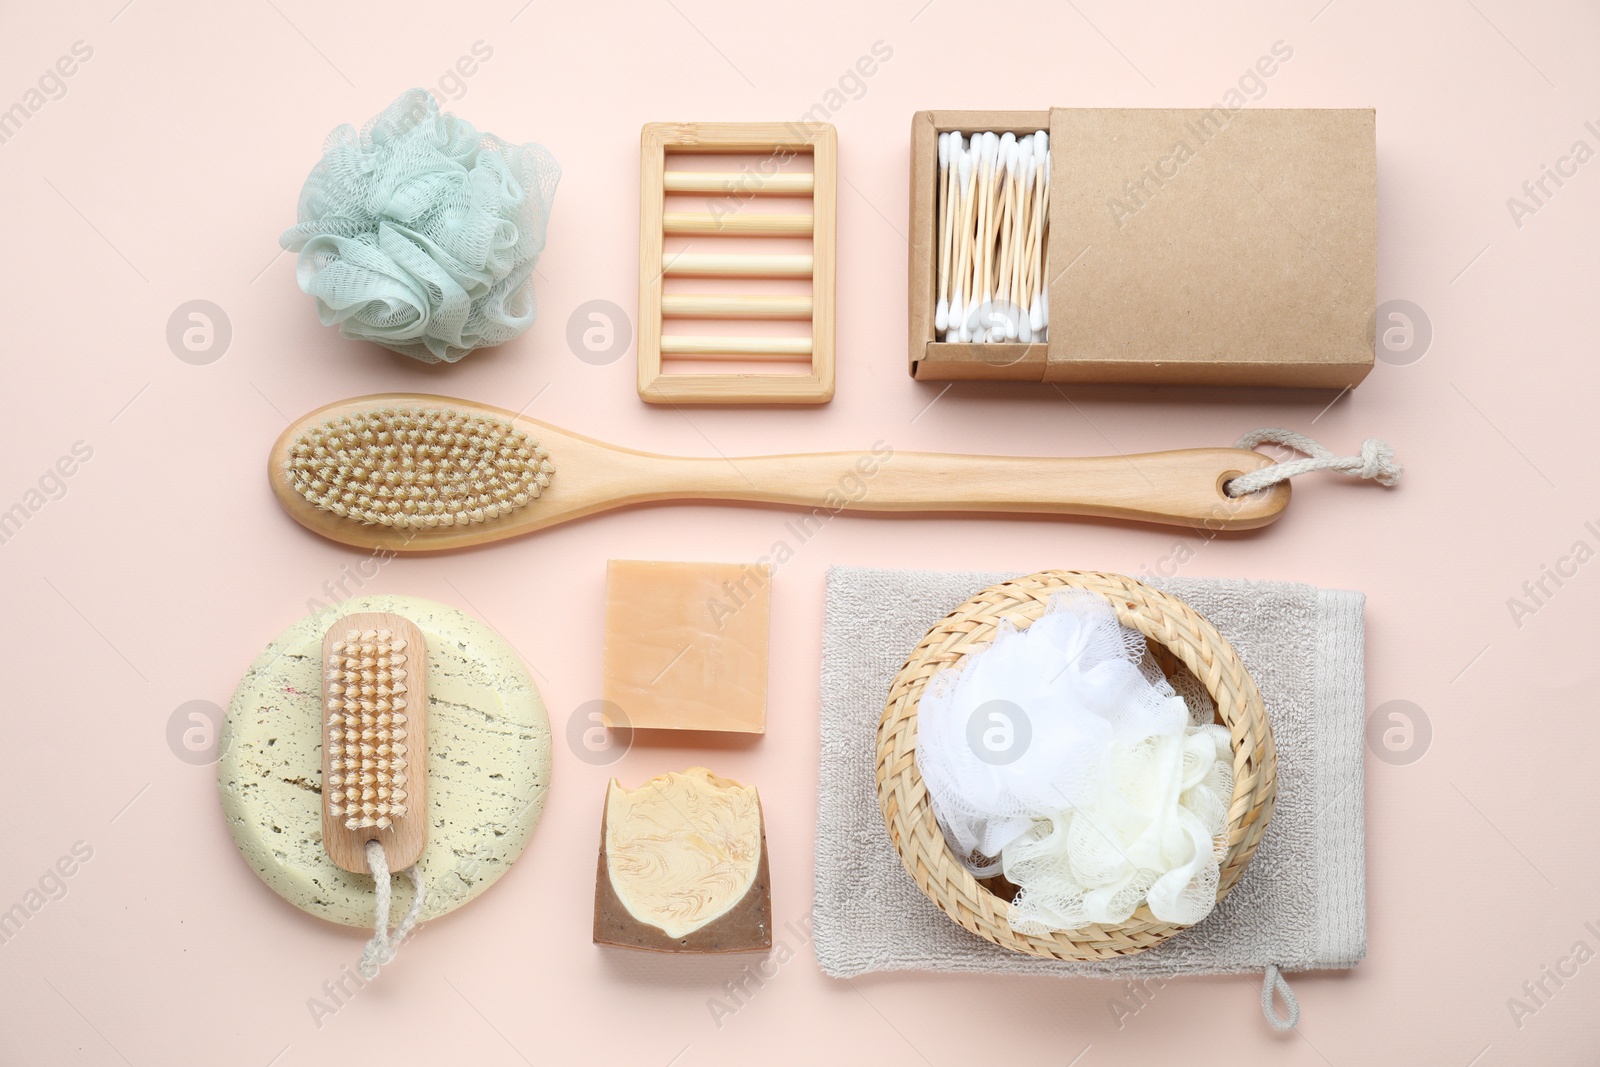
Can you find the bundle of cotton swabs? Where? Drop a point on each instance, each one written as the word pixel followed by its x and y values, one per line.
pixel 994 208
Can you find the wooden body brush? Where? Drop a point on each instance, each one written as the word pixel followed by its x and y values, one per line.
pixel 416 473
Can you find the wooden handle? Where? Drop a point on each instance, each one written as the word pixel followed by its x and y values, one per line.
pixel 1182 487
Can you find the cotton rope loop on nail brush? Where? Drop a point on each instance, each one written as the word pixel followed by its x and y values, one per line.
pixel 421 233
pixel 1062 757
pixel 384 944
pixel 1376 462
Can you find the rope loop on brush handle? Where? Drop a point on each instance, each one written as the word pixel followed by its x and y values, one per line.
pixel 384 944
pixel 1377 461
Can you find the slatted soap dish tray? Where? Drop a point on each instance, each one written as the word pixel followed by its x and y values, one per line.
pixel 741 210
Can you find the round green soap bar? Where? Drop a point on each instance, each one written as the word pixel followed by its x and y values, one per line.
pixel 488 764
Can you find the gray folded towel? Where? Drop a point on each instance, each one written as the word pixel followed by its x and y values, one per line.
pixel 1301 904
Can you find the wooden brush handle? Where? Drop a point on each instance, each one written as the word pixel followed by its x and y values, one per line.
pixel 1182 487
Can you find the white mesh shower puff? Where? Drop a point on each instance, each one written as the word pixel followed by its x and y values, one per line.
pixel 421 233
pixel 1061 756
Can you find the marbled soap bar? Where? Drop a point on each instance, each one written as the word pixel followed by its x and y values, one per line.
pixel 683 867
pixel 686 646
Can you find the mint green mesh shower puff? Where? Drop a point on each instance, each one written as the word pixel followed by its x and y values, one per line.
pixel 421 233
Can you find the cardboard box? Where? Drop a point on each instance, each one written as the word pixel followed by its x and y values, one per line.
pixel 1186 247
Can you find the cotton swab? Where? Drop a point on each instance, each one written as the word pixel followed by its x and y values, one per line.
pixel 980 167
pixel 1036 238
pixel 1008 152
pixel 962 284
pixel 996 229
pixel 991 229
pixel 1044 230
pixel 1022 185
pixel 950 244
pixel 942 310
pixel 983 262
pixel 1010 243
pixel 941 315
pixel 1024 275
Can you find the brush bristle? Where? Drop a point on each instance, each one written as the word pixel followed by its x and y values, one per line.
pixel 365 686
pixel 417 468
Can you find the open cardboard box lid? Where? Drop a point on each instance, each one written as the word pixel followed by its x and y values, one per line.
pixel 1188 246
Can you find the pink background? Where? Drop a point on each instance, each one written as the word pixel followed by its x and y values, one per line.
pixel 172 162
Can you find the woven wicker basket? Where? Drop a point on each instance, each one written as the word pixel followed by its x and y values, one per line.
pixel 1180 639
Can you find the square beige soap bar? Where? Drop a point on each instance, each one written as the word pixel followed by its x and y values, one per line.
pixel 686 646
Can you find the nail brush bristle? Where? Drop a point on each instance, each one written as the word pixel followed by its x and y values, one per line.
pixel 366 693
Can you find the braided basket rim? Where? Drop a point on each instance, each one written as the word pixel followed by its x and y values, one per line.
pixel 1164 620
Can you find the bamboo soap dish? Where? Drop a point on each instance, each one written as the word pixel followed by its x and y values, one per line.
pixel 741 201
